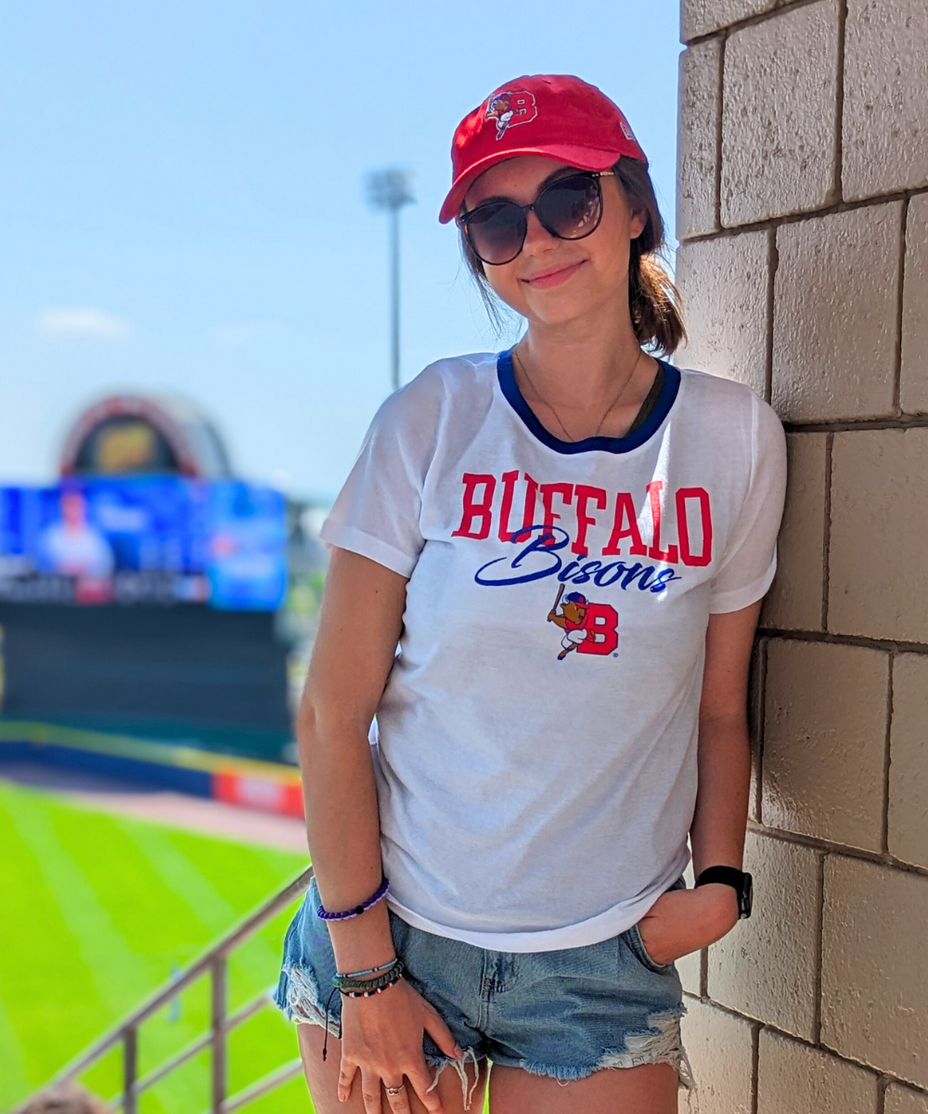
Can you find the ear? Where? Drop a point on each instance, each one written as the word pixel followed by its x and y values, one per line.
pixel 638 222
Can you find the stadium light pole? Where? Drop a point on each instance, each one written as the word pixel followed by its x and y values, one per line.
pixel 390 189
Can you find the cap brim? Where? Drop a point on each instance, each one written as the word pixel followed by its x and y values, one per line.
pixel 585 158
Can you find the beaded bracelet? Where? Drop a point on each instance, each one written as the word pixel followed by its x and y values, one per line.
pixel 345 983
pixel 368 970
pixel 376 896
pixel 370 993
pixel 350 989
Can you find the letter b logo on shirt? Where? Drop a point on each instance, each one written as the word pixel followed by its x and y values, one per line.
pixel 601 625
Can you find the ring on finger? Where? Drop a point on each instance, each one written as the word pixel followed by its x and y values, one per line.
pixel 393 1090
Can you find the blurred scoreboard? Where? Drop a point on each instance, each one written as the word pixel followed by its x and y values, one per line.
pixel 144 540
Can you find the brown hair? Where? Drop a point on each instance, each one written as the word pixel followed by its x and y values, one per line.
pixel 653 301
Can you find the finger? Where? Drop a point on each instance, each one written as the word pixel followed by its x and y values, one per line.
pixel 398 1102
pixel 420 1079
pixel 442 1035
pixel 371 1094
pixel 346 1074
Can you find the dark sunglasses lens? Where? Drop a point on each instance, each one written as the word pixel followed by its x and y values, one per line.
pixel 496 231
pixel 571 208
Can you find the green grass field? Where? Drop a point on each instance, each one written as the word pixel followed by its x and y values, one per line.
pixel 96 912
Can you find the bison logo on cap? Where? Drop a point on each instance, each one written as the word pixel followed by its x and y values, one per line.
pixel 509 108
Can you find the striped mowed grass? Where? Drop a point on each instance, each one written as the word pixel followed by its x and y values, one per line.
pixel 96 912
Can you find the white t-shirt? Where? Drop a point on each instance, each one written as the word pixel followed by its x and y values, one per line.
pixel 536 757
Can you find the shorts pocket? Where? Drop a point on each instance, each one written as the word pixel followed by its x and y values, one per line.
pixel 637 946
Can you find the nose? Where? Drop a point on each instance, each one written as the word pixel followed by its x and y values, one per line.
pixel 537 237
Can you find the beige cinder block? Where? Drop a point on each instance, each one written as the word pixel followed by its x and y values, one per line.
pixel 699 17
pixel 913 392
pixel 719 1046
pixel 875 966
pixel 697 138
pixel 885 122
pixel 723 284
pixel 765 967
pixel 778 115
pixel 835 312
pixel 908 771
pixel 878 575
pixel 793 1078
pixel 903 1100
pixel 825 741
pixel 794 601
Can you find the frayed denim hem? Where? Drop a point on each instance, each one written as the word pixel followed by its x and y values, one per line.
pixel 299 998
pixel 441 1062
pixel 659 1044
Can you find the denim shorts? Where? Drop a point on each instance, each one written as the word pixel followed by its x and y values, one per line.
pixel 563 1013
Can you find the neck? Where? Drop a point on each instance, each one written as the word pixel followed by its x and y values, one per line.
pixel 584 364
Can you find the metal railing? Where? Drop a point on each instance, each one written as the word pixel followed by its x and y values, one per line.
pixel 215 963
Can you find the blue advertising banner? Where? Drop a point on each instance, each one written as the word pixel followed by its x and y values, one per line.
pixel 146 540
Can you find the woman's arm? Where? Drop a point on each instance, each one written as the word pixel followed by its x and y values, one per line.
pixel 359 628
pixel 682 921
pixel 724 755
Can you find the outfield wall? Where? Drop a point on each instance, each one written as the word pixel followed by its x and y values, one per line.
pixel 263 786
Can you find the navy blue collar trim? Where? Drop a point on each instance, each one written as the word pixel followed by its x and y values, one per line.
pixel 509 387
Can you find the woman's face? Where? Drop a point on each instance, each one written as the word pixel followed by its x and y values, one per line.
pixel 554 281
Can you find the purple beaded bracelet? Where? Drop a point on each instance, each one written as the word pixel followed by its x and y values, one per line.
pixel 379 893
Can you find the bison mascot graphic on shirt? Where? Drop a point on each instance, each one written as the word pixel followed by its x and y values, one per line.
pixel 588 627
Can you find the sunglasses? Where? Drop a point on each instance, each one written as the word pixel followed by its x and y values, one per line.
pixel 568 208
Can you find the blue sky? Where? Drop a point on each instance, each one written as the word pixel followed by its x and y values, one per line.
pixel 182 207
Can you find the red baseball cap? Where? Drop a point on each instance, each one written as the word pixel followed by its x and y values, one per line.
pixel 555 115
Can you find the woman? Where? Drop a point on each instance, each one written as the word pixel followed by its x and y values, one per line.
pixel 569 542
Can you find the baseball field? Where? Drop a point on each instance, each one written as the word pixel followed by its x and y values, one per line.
pixel 97 911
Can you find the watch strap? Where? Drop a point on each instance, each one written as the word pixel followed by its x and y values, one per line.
pixel 739 880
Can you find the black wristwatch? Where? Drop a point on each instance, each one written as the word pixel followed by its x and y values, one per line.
pixel 731 876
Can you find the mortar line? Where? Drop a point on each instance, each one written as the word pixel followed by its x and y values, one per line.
pixel 887 755
pixel 905 421
pixel 750 21
pixel 819 933
pixel 826 530
pixel 813 843
pixel 888 645
pixel 755 1065
pixel 839 103
pixel 760 713
pixel 900 305
pixel 773 265
pixel 720 112
pixel 808 214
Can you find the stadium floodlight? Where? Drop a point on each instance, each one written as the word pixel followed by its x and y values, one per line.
pixel 389 190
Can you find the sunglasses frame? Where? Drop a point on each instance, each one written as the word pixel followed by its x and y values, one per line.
pixel 464 219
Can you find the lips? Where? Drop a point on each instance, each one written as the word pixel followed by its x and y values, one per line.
pixel 554 277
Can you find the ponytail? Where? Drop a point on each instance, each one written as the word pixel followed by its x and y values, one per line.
pixel 653 300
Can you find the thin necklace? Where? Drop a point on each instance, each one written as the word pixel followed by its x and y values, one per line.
pixel 555 413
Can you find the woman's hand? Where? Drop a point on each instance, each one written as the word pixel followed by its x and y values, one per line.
pixel 382 1040
pixel 683 921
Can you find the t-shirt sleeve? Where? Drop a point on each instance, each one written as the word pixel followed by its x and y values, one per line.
pixel 750 559
pixel 377 512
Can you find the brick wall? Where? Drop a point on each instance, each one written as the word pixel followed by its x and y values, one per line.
pixel 803 220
